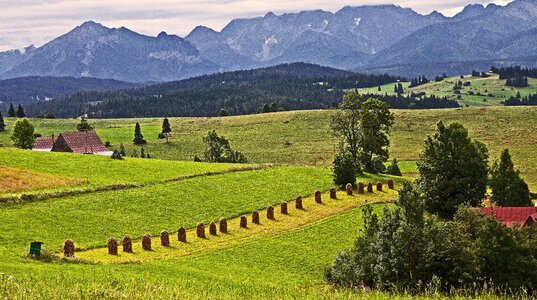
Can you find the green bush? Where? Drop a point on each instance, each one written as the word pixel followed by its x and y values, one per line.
pixel 344 168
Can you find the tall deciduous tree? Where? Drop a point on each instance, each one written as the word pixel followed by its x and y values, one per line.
pixel 508 188
pixel 138 136
pixel 11 112
pixel 364 128
pixel 453 170
pixel 22 134
pixel 218 149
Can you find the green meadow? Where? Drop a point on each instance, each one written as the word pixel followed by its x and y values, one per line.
pixel 289 154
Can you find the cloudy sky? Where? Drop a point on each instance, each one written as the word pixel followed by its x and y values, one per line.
pixel 25 22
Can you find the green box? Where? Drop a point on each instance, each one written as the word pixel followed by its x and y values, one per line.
pixel 35 248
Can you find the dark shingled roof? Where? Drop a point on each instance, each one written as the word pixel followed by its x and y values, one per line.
pixel 82 142
pixel 43 143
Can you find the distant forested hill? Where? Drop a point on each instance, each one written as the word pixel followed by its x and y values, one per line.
pixel 25 90
pixel 284 87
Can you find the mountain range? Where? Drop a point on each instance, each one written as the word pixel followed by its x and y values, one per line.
pixel 383 38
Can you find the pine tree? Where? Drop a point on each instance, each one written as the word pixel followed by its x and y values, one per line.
pixel 11 112
pixel 166 128
pixel 20 112
pixel 508 188
pixel 138 137
pixel 2 124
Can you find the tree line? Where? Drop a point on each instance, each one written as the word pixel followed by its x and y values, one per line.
pixel 293 87
pixel 513 72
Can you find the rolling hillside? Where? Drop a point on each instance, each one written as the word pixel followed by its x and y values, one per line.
pixel 490 91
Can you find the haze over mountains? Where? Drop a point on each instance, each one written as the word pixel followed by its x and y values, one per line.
pixel 385 38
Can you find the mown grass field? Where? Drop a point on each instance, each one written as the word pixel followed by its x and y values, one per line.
pixel 486 91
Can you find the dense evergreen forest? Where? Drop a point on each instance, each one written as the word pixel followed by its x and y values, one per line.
pixel 296 86
pixel 514 72
pixel 25 90
pixel 530 100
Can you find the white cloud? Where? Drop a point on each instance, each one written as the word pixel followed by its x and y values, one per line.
pixel 26 22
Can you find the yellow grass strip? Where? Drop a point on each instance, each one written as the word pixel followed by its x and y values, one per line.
pixel 15 180
pixel 296 218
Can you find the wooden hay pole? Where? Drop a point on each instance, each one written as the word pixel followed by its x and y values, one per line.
pixel 146 242
pixel 298 203
pixel 112 246
pixel 391 184
pixel 69 248
pixel 127 244
pixel 348 188
pixel 318 199
pixel 244 222
pixel 223 225
pixel 333 194
pixel 270 212
pixel 379 186
pixel 212 228
pixel 361 188
pixel 255 217
pixel 181 235
pixel 165 238
pixel 200 230
pixel 284 208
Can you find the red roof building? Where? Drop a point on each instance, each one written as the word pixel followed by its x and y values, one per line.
pixel 521 216
pixel 44 143
pixel 86 142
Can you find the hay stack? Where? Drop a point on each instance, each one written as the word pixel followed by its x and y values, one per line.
pixel 333 193
pixel 379 186
pixel 127 244
pixel 318 199
pixel 165 238
pixel 284 208
pixel 348 188
pixel 181 235
pixel 298 203
pixel 69 248
pixel 223 225
pixel 146 242
pixel 270 212
pixel 244 222
pixel 212 228
pixel 200 230
pixel 255 217
pixel 391 184
pixel 112 246
pixel 361 188
pixel 370 187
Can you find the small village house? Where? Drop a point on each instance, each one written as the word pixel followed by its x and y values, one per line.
pixel 85 142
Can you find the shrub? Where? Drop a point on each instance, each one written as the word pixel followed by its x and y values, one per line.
pixel 393 169
pixel 344 168
pixel 406 250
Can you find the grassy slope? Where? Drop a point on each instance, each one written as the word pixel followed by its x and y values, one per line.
pixel 93 171
pixel 262 137
pixel 492 90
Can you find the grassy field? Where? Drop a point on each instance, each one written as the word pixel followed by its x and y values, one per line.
pixel 277 259
pixel 481 92
pixel 304 138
